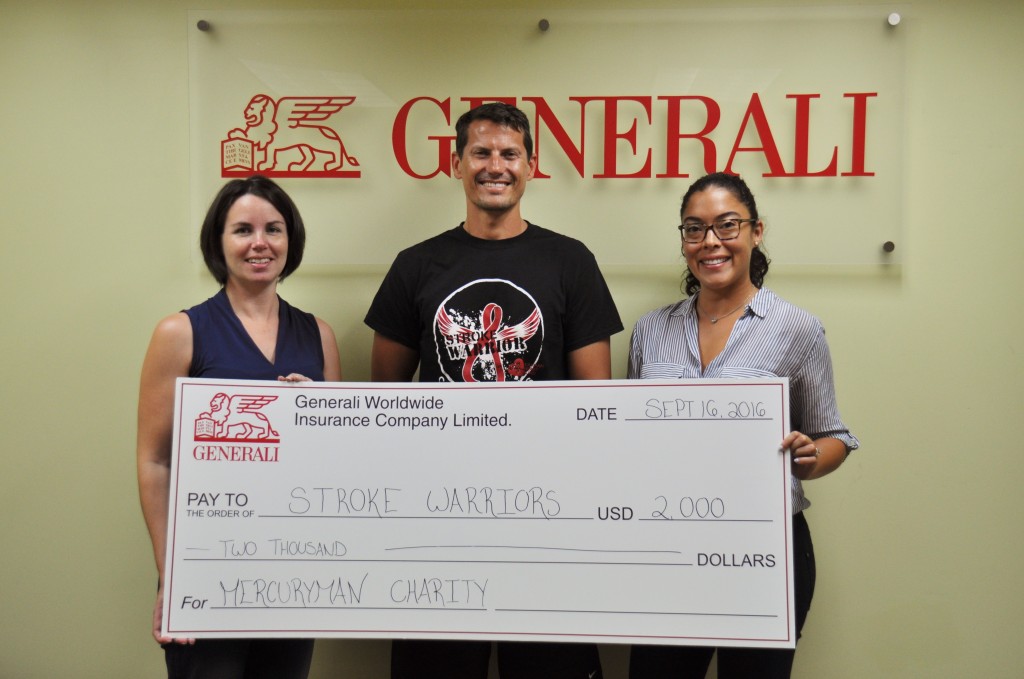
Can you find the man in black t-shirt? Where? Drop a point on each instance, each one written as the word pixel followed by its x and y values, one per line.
pixel 496 299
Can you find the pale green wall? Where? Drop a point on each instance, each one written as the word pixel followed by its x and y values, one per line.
pixel 918 536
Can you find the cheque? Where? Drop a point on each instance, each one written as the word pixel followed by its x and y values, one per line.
pixel 612 511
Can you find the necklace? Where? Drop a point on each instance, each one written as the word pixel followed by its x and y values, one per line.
pixel 715 319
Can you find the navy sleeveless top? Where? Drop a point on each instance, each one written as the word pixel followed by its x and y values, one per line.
pixel 222 349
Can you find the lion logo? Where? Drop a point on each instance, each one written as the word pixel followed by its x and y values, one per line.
pixel 288 137
pixel 236 418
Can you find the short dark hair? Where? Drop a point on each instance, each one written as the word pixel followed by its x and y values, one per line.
pixel 213 225
pixel 737 187
pixel 499 113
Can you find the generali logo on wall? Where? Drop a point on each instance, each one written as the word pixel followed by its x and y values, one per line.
pixel 289 137
pixel 304 136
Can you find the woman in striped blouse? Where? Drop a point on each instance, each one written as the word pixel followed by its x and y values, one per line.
pixel 730 326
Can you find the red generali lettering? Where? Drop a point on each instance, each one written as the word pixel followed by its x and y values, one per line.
pixel 623 116
pixel 236 453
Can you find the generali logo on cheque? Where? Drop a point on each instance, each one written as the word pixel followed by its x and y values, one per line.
pixel 234 430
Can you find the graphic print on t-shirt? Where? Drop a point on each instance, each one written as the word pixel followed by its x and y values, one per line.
pixel 489 330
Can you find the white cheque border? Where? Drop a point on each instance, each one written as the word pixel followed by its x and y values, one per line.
pixel 611 511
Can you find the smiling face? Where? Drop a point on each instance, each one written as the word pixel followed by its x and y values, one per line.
pixel 722 267
pixel 255 241
pixel 494 167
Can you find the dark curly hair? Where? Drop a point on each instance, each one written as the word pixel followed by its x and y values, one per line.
pixel 213 225
pixel 737 187
pixel 498 113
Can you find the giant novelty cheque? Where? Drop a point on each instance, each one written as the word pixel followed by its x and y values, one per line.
pixel 609 511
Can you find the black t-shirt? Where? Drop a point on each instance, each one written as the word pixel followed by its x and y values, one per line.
pixel 494 310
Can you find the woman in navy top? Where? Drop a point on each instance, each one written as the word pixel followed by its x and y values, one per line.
pixel 251 239
pixel 731 326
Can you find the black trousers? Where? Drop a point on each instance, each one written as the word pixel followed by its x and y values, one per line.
pixel 692 662
pixel 239 659
pixel 425 659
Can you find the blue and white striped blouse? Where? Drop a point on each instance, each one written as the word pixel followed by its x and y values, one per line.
pixel 772 338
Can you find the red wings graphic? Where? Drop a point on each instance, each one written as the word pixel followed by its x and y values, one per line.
pixel 250 404
pixel 307 111
pixel 486 342
pixel 524 330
